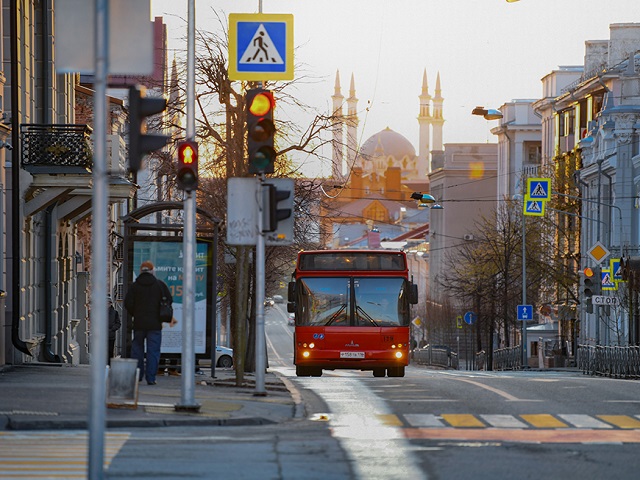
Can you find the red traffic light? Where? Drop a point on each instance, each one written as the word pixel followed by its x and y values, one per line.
pixel 261 104
pixel 187 165
pixel 588 272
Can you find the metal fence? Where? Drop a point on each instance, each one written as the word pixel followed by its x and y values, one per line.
pixel 436 356
pixel 616 362
pixel 507 358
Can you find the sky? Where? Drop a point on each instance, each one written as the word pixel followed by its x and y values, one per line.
pixel 487 52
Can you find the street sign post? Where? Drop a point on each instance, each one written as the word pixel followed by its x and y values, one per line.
pixel 260 46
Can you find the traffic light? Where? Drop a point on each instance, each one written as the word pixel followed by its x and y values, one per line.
pixel 278 211
pixel 187 165
pixel 591 285
pixel 260 130
pixel 140 142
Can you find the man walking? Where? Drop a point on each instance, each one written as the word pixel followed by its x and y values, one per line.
pixel 114 326
pixel 143 304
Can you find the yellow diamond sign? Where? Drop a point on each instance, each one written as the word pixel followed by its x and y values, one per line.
pixel 598 252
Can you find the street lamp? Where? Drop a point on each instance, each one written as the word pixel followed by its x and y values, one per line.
pixel 523 333
pixel 488 114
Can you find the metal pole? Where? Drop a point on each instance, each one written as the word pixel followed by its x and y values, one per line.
pixel 98 412
pixel 260 262
pixel 214 301
pixel 524 286
pixel 187 399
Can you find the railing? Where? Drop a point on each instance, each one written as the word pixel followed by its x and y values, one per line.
pixel 617 362
pixel 436 356
pixel 56 145
pixel 507 358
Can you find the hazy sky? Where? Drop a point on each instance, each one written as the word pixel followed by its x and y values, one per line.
pixel 488 52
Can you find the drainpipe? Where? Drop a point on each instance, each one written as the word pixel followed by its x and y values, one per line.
pixel 49 356
pixel 15 182
pixel 610 201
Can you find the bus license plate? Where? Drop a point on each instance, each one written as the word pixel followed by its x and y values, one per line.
pixel 351 354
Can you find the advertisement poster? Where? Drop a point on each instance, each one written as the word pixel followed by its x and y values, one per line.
pixel 167 260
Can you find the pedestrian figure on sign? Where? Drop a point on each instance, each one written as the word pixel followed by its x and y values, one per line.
pixel 259 42
pixel 143 304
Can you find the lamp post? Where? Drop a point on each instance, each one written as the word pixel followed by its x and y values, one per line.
pixel 523 331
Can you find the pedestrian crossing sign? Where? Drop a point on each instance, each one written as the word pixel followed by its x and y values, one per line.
pixel 534 207
pixel 539 188
pixel 607 280
pixel 260 46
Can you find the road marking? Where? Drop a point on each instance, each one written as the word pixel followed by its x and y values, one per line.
pixel 52 454
pixel 462 421
pixel 503 421
pixel 390 420
pixel 423 420
pixel 544 420
pixel 621 421
pixel 584 421
pixel 497 391
pixel 570 435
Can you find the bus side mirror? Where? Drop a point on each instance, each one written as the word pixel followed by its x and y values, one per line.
pixel 291 293
pixel 291 307
pixel 413 299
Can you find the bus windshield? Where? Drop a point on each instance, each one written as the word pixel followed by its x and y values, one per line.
pixel 352 301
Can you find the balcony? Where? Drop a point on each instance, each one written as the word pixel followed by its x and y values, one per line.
pixel 60 159
pixel 56 149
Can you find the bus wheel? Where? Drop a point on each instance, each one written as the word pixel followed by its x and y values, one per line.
pixel 395 371
pixel 316 372
pixel 302 371
pixel 378 372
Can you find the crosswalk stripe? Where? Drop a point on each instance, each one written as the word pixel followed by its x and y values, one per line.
pixel 543 420
pixel 503 421
pixel 621 421
pixel 390 420
pixel 52 454
pixel 423 420
pixel 584 421
pixel 463 420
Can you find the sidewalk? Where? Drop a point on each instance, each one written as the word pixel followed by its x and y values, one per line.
pixel 52 396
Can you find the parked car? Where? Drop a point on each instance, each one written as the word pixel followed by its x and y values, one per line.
pixel 268 302
pixel 292 319
pixel 278 299
pixel 224 357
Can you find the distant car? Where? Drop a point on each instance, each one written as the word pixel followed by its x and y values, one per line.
pixel 292 319
pixel 224 357
pixel 278 299
pixel 268 302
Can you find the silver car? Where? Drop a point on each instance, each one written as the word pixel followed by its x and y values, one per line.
pixel 224 357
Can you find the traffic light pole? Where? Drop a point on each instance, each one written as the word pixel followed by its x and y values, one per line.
pixel 261 350
pixel 187 398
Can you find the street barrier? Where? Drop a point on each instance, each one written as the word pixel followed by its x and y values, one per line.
pixel 507 358
pixel 609 361
pixel 436 356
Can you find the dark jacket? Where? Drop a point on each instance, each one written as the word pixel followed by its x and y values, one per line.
pixel 143 301
pixel 114 322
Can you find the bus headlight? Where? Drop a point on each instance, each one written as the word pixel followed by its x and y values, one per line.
pixel 311 345
pixel 305 354
pixel 398 354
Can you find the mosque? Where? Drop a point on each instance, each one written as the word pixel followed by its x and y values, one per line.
pixel 376 180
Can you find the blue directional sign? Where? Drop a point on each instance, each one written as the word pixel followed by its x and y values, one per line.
pixel 260 46
pixel 525 312
pixel 539 188
pixel 470 318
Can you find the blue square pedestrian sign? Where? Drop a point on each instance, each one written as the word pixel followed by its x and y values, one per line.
pixel 525 312
pixel 260 46
pixel 534 207
pixel 539 188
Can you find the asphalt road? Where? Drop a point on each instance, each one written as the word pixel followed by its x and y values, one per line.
pixel 435 424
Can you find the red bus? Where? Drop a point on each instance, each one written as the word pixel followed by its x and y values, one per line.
pixel 352 311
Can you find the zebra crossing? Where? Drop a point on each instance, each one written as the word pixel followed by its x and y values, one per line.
pixel 524 421
pixel 59 454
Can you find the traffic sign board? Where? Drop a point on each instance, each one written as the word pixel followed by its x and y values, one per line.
pixel 525 312
pixel 598 252
pixel 260 46
pixel 470 318
pixel 604 300
pixel 539 188
pixel 534 207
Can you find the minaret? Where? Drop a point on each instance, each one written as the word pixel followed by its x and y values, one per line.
pixel 174 94
pixel 438 120
pixel 352 125
pixel 424 120
pixel 338 145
